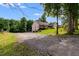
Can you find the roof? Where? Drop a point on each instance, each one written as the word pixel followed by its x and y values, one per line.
pixel 51 24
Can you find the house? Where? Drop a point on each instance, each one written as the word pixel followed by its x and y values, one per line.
pixel 51 25
pixel 37 25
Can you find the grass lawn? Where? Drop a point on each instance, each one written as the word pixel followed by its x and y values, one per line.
pixel 9 46
pixel 76 32
pixel 51 31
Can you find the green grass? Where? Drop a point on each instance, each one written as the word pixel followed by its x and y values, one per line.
pixel 76 32
pixel 47 31
pixel 52 31
pixel 9 46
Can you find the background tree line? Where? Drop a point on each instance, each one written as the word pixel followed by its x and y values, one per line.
pixel 12 25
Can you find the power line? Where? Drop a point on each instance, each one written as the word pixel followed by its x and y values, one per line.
pixel 21 9
pixel 18 8
pixel 33 7
pixel 10 7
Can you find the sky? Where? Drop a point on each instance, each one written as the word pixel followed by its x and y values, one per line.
pixel 32 11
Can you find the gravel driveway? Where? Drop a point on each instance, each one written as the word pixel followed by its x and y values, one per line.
pixel 27 36
pixel 51 45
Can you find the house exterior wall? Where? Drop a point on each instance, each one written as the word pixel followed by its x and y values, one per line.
pixel 38 25
pixel 35 26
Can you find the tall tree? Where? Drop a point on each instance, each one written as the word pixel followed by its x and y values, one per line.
pixel 23 24
pixel 6 25
pixel 53 9
pixel 1 24
pixel 12 25
pixel 75 15
pixel 43 18
pixel 29 25
pixel 72 16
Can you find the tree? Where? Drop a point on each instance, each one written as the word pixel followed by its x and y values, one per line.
pixel 75 15
pixel 53 9
pixel 6 25
pixel 29 25
pixel 1 24
pixel 23 24
pixel 12 25
pixel 43 18
pixel 72 16
pixel 18 26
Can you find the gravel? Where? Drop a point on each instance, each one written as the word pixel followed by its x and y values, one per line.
pixel 51 45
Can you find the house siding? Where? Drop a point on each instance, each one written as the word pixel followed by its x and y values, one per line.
pixel 35 26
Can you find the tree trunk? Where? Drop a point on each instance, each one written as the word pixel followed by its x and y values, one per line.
pixel 8 27
pixel 57 25
pixel 71 24
pixel 76 24
pixel 73 20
